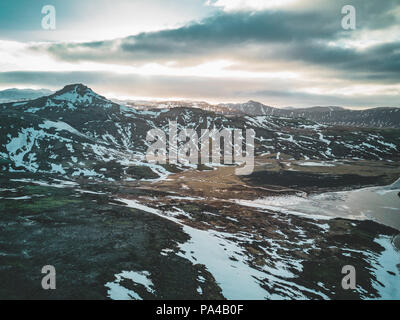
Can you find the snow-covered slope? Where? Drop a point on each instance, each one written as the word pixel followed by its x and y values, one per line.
pixel 374 118
pixel 333 115
pixel 77 132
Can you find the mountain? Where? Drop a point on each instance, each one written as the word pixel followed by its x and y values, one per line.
pixel 334 115
pixel 22 94
pixel 149 105
pixel 252 108
pixel 76 132
pixel 375 118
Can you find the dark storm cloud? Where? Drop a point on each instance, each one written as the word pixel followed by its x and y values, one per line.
pixel 210 36
pixel 379 62
pixel 297 35
pixel 297 55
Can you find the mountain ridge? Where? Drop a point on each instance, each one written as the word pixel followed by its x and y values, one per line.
pixel 77 132
pixel 14 94
pixel 378 117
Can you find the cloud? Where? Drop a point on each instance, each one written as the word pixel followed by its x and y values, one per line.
pixel 249 5
pixel 197 41
pixel 297 49
pixel 311 37
pixel 95 19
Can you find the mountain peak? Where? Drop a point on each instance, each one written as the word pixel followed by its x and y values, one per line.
pixel 77 92
pixel 77 85
pixel 253 102
pixel 79 88
pixel 256 103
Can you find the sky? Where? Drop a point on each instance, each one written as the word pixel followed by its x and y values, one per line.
pixel 279 52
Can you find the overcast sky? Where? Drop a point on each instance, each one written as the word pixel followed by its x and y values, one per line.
pixel 279 52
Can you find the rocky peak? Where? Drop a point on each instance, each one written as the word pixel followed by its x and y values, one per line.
pixel 78 88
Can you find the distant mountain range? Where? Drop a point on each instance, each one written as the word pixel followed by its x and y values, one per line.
pixel 14 94
pixel 76 132
pixel 375 118
pixel 383 117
